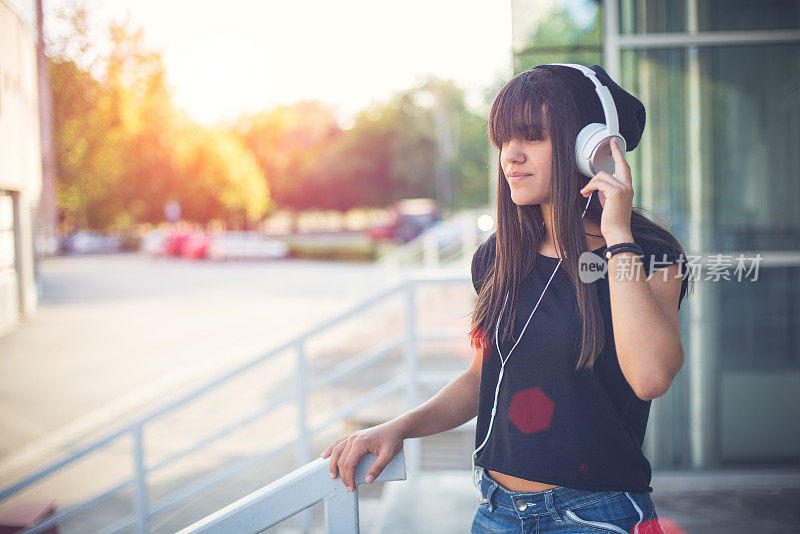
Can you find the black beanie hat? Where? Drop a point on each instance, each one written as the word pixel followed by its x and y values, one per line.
pixel 629 108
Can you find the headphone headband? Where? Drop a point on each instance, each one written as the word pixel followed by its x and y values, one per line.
pixel 607 101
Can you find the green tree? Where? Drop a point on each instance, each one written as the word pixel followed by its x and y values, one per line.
pixel 218 176
pixel 395 150
pixel 86 146
pixel 287 142
pixel 122 149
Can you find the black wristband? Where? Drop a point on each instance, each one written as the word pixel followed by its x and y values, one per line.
pixel 623 247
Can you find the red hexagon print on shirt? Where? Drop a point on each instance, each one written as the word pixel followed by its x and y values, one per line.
pixel 531 410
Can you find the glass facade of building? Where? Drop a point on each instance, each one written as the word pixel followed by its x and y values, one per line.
pixel 720 80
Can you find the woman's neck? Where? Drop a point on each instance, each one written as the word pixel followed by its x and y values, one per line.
pixel 594 237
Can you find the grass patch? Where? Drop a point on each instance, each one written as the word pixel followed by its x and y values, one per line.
pixel 353 252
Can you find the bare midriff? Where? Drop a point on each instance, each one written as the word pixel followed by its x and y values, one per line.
pixel 518 484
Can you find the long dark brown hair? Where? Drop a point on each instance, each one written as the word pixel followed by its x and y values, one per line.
pixel 532 105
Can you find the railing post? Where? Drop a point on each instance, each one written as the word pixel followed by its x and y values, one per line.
pixel 469 238
pixel 341 513
pixel 304 445
pixel 413 457
pixel 140 504
pixel 430 244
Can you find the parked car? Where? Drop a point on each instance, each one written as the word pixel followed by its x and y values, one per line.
pixel 154 243
pixel 245 245
pixel 89 242
pixel 196 247
pixel 176 241
pixel 409 218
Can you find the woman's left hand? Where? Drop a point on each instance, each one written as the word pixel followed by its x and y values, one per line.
pixel 616 197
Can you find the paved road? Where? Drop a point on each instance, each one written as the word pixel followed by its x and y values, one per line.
pixel 112 331
pixel 115 334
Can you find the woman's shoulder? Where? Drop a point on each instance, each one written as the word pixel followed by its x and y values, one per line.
pixel 482 259
pixel 487 248
pixel 662 249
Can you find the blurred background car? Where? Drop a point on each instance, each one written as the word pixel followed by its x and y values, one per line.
pixel 245 245
pixel 176 240
pixel 154 243
pixel 196 246
pixel 408 219
pixel 89 242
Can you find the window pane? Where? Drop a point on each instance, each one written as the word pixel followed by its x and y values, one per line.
pixel 750 131
pixel 732 15
pixel 764 333
pixel 659 163
pixel 652 16
pixel 753 93
pixel 664 16
pixel 556 32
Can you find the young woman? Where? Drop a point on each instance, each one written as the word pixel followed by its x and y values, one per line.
pixel 562 395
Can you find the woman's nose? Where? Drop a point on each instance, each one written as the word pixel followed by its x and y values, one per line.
pixel 513 153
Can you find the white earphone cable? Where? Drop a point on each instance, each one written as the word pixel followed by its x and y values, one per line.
pixel 503 361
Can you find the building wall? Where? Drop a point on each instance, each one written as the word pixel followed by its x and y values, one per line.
pixel 20 167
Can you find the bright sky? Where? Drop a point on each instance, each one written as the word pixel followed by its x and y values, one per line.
pixel 224 58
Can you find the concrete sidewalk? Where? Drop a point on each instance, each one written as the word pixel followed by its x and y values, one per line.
pixel 757 501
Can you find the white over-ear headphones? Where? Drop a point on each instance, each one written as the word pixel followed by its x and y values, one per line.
pixel 592 146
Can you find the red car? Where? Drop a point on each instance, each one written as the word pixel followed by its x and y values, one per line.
pixel 176 241
pixel 409 218
pixel 196 247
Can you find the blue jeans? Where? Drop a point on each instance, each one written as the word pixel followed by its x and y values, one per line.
pixel 502 511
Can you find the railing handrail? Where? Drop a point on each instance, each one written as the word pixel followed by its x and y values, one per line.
pixel 296 491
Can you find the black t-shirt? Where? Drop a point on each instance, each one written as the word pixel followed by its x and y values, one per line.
pixel 578 429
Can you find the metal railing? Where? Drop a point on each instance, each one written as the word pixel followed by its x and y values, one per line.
pixel 144 510
pixel 293 493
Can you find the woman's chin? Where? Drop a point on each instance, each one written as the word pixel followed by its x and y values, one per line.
pixel 521 200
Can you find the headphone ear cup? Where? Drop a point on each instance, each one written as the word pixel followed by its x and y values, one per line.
pixel 588 138
pixel 603 159
pixel 593 150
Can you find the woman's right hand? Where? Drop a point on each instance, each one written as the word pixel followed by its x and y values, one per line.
pixel 384 440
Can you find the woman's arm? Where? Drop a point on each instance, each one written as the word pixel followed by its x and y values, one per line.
pixel 644 313
pixel 455 404
pixel 452 406
pixel 644 316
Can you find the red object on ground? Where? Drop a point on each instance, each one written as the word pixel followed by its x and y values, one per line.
pixel 668 526
pixel 661 525
pixel 27 514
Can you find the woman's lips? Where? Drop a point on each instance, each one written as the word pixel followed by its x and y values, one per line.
pixel 517 177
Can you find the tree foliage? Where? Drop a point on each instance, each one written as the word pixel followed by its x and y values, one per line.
pixel 123 150
pixel 389 153
pixel 560 38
